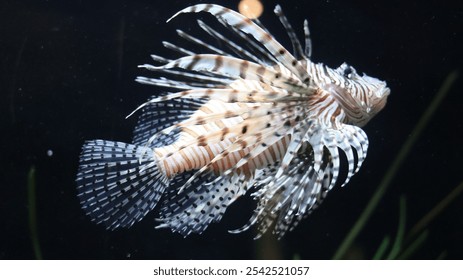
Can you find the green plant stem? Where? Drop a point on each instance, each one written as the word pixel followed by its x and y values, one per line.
pixel 395 166
pixel 414 246
pixel 31 199
pixel 442 255
pixel 382 248
pixel 421 224
pixel 397 246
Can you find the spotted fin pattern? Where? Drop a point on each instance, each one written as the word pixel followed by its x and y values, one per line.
pixel 118 183
pixel 203 202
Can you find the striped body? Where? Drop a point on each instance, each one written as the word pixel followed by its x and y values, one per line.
pixel 248 116
pixel 198 156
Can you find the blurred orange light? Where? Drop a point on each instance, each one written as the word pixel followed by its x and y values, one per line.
pixel 251 8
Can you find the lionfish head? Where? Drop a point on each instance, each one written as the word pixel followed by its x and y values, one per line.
pixel 361 96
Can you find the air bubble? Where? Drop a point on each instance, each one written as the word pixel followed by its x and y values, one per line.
pixel 50 153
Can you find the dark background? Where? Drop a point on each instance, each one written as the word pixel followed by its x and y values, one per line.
pixel 67 72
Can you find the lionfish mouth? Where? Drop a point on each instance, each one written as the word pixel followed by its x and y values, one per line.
pixel 384 92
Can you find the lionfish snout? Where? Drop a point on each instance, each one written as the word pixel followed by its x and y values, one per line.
pixel 376 95
pixel 360 96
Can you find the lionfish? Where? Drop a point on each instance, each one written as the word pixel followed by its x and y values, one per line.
pixel 245 118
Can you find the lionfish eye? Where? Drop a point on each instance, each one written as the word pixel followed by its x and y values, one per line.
pixel 347 71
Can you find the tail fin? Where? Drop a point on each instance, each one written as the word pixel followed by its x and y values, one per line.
pixel 118 183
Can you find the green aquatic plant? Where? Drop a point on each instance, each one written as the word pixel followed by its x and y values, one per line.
pixel 397 245
pixel 389 176
pixel 32 213
pixel 405 245
pixel 421 224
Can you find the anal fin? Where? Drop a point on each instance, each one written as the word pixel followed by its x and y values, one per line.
pixel 204 201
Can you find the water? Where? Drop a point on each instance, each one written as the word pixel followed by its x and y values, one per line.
pixel 68 75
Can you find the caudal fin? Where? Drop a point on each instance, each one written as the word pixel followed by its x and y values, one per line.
pixel 118 183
